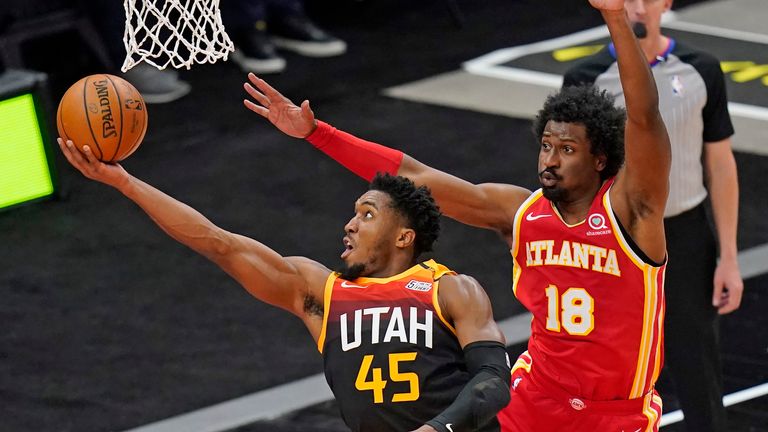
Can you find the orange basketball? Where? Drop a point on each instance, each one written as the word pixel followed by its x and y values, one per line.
pixel 106 113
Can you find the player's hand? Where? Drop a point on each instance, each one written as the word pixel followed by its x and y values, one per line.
pixel 86 162
pixel 608 5
pixel 425 428
pixel 269 103
pixel 729 286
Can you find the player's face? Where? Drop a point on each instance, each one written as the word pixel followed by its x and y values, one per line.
pixel 567 168
pixel 648 12
pixel 371 233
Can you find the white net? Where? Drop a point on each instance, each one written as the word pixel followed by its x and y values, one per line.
pixel 178 33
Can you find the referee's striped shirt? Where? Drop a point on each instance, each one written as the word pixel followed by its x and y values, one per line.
pixel 692 102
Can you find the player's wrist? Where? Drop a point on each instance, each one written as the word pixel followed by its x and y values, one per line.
pixel 439 425
pixel 319 134
pixel 312 129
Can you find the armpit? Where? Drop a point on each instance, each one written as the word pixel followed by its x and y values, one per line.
pixel 312 306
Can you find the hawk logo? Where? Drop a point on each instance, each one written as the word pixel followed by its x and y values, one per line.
pixel 419 285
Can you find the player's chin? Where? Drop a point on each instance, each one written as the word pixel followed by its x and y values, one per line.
pixel 554 193
pixel 350 271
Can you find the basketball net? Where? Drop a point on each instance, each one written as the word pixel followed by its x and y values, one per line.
pixel 174 32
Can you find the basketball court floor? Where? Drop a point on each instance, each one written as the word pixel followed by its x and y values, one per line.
pixel 111 326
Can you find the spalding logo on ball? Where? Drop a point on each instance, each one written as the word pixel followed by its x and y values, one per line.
pixel 104 112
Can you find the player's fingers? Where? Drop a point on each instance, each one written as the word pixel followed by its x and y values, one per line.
pixel 61 145
pixel 66 150
pixel 306 111
pixel 76 155
pixel 258 109
pixel 265 87
pixel 89 155
pixel 260 98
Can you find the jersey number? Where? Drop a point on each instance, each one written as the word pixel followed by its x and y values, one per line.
pixel 576 313
pixel 376 384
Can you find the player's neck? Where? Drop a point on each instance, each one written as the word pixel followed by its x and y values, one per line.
pixel 573 212
pixel 395 266
pixel 576 210
pixel 654 45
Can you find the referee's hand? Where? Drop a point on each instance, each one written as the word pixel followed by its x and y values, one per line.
pixel 728 287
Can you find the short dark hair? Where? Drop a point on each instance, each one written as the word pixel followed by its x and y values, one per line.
pixel 595 109
pixel 415 204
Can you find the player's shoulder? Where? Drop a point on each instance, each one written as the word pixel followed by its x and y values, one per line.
pixel 458 285
pixel 311 270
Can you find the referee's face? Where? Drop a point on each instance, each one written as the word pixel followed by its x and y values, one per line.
pixel 648 12
pixel 568 171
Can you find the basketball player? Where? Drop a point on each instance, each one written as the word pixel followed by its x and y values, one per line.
pixel 702 285
pixel 407 345
pixel 588 248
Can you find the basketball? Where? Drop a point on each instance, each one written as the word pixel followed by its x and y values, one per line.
pixel 104 112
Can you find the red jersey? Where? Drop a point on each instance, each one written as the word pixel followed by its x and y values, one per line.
pixel 597 302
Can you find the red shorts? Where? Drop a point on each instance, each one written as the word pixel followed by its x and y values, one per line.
pixel 537 407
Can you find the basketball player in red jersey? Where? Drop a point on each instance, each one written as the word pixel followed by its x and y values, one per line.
pixel 407 345
pixel 588 247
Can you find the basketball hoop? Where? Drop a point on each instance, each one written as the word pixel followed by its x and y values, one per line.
pixel 174 32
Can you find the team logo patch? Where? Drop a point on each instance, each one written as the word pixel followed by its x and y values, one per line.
pixel 419 285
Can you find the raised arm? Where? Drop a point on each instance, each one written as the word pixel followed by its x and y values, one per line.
pixel 279 281
pixel 465 304
pixel 640 192
pixel 491 206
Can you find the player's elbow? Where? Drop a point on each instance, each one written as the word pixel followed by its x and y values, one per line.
pixel 490 397
pixel 216 244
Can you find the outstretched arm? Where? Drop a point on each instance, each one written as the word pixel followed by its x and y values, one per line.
pixel 466 305
pixel 282 282
pixel 490 206
pixel 640 193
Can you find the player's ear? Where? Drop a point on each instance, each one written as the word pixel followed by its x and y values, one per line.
pixel 405 238
pixel 600 162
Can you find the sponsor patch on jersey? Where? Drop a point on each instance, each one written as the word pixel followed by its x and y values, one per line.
pixel 596 221
pixel 419 285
